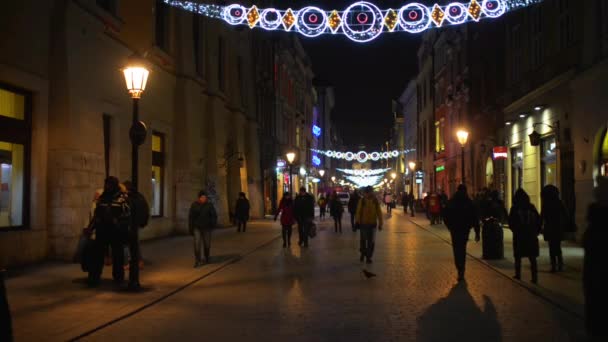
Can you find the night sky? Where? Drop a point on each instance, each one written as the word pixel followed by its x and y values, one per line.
pixel 366 76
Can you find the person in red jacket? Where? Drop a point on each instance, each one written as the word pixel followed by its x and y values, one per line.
pixel 434 207
pixel 287 218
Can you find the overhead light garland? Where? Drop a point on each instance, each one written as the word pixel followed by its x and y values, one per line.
pixel 362 172
pixel 365 181
pixel 361 22
pixel 362 156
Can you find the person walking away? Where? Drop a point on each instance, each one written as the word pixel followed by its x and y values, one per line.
pixel 368 217
pixel 336 210
pixel 460 218
pixel 525 223
pixel 241 212
pixel 287 218
pixel 140 214
pixel 388 200
pixel 353 201
pixel 554 221
pixel 405 198
pixel 322 202
pixel 443 200
pixel 111 222
pixel 595 271
pixel 304 212
pixel 202 218
pixel 434 207
pixel 411 202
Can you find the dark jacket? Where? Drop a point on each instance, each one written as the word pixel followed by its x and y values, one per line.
pixel 524 222
pixel 353 202
pixel 554 219
pixel 461 214
pixel 595 271
pixel 335 207
pixel 202 216
pixel 140 210
pixel 286 211
pixel 112 217
pixel 241 210
pixel 304 207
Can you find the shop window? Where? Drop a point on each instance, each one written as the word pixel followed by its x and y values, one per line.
pixel 604 156
pixel 15 133
pixel 439 142
pixel 517 164
pixel 158 174
pixel 549 161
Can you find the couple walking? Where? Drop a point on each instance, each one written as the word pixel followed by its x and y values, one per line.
pixel 302 210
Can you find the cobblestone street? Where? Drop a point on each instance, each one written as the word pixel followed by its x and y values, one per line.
pixel 320 294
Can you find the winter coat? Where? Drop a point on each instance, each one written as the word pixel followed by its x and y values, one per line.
pixel 353 202
pixel 112 217
pixel 202 216
pixel 554 220
pixel 461 215
pixel 524 222
pixel 595 271
pixel 322 202
pixel 335 208
pixel 140 210
pixel 369 212
pixel 241 210
pixel 286 210
pixel 304 207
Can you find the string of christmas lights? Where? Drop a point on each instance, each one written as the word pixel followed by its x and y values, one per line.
pixel 362 156
pixel 360 172
pixel 365 181
pixel 361 22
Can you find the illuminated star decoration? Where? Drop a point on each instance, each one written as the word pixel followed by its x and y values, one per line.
pixel 362 156
pixel 361 22
pixel 364 172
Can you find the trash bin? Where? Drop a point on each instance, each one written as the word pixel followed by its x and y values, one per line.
pixel 6 333
pixel 492 239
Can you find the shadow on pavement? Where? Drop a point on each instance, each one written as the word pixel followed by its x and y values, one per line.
pixel 457 318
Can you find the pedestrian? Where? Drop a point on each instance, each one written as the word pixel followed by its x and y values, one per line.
pixel 595 271
pixel 525 223
pixel 322 202
pixel 140 214
pixel 434 207
pixel 460 218
pixel 388 200
pixel 202 218
pixel 304 212
pixel 353 201
pixel 287 218
pixel 336 210
pixel 554 217
pixel 6 325
pixel 411 201
pixel 241 212
pixel 111 222
pixel 405 198
pixel 368 217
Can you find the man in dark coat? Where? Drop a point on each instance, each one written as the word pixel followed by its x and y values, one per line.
pixel 352 208
pixel 140 213
pixel 304 211
pixel 524 221
pixel 241 212
pixel 460 217
pixel 202 218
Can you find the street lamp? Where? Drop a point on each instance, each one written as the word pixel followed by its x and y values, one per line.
pixel 412 166
pixel 291 156
pixel 462 136
pixel 321 173
pixel 136 77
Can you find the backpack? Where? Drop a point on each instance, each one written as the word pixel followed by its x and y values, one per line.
pixel 140 208
pixel 112 213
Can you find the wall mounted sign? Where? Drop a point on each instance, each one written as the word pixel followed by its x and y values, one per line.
pixel 500 152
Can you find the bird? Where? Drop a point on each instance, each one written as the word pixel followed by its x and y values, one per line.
pixel 368 274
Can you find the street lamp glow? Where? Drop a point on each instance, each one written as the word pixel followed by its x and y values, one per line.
pixel 412 165
pixel 136 76
pixel 321 172
pixel 462 136
pixel 302 171
pixel 393 175
pixel 291 156
pixel 333 178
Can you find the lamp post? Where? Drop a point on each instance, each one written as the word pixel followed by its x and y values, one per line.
pixel 291 156
pixel 136 77
pixel 412 166
pixel 462 136
pixel 394 176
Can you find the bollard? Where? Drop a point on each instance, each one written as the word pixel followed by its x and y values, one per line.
pixel 6 329
pixel 492 239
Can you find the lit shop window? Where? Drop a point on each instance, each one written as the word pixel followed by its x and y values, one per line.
pixel 549 161
pixel 158 173
pixel 604 156
pixel 517 171
pixel 15 135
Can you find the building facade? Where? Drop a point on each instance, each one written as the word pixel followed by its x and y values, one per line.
pixel 409 109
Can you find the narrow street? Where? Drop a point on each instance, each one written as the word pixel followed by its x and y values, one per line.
pixel 320 294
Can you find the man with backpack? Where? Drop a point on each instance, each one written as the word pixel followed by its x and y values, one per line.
pixel 140 213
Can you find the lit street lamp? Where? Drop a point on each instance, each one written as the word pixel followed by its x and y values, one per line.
pixel 462 136
pixel 412 166
pixel 136 77
pixel 291 156
pixel 321 173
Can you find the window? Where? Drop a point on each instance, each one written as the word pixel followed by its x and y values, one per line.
pixel 537 37
pixel 196 40
pixel 566 24
pixel 548 157
pixel 109 6
pixel 517 165
pixel 220 64
pixel 15 135
pixel 162 25
pixel 158 173
pixel 439 141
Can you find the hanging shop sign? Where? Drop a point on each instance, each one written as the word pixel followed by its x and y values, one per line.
pixel 500 152
pixel 440 168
